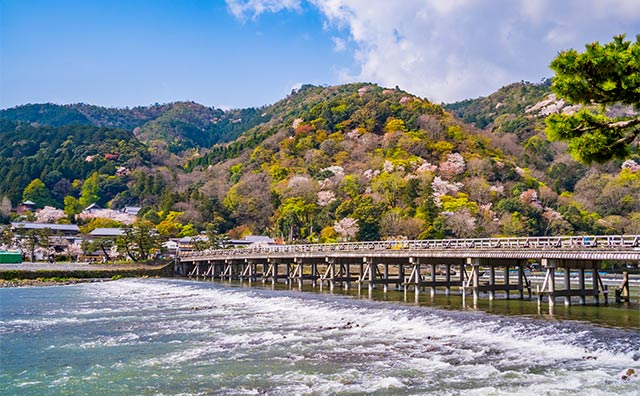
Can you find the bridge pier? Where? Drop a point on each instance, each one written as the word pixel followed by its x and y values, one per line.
pixel 372 269
pixel 622 291
pixel 475 276
pixel 549 287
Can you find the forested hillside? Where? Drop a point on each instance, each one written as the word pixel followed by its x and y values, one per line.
pixel 62 158
pixel 174 126
pixel 355 161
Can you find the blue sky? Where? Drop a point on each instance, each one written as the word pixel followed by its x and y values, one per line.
pixel 239 53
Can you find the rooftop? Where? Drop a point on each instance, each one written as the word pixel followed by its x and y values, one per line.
pixel 41 226
pixel 107 232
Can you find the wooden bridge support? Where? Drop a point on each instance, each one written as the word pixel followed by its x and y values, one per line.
pixel 549 287
pixel 622 291
pixel 277 269
pixel 492 285
pixel 433 268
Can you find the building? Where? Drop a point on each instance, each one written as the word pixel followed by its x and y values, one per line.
pixel 252 240
pixel 131 210
pixel 106 233
pixel 91 208
pixel 56 229
pixel 26 206
pixel 63 238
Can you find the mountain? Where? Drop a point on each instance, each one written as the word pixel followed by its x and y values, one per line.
pixel 178 126
pixel 45 114
pixel 335 162
pixel 58 156
pixel 510 100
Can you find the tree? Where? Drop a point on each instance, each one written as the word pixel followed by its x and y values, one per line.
pixel 6 236
pixel 139 240
pixel 5 207
pixel 295 217
pixel 72 206
pixel 170 226
pixel 32 239
pixel 347 228
pixel 102 244
pixel 90 190
pixel 37 192
pixel 49 214
pixel 602 75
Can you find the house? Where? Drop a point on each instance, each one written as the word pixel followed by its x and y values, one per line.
pixel 26 206
pixel 170 247
pixel 106 233
pixel 56 229
pixel 131 210
pixel 91 208
pixel 185 244
pixel 106 238
pixel 62 238
pixel 253 240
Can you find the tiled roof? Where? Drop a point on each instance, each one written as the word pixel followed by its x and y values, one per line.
pixel 40 226
pixel 107 232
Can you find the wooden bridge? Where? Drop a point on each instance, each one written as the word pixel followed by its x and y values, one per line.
pixel 486 265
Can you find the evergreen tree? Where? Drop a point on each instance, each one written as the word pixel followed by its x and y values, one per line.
pixel 602 75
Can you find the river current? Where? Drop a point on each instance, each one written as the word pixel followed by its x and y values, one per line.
pixel 179 337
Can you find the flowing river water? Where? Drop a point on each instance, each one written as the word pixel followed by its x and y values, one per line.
pixel 180 337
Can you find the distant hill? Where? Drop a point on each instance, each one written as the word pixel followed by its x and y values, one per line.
pixel 179 125
pixel 512 99
pixel 60 155
pixel 46 114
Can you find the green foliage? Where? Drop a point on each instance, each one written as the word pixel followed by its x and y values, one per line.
pixel 60 155
pixel 46 114
pixel 603 74
pixel 454 204
pixel 72 206
pixel 90 190
pixel 395 124
pixel 511 99
pixel 99 223
pixel 170 227
pixel 37 193
pixel 139 240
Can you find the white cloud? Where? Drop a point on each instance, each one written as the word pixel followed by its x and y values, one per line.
pixel 242 9
pixel 339 44
pixel 455 49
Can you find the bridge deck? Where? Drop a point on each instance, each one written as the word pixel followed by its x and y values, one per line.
pixel 608 247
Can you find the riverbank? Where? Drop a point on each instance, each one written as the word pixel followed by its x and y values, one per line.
pixel 45 274
pixel 47 282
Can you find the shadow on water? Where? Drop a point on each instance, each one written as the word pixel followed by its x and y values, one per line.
pixel 624 315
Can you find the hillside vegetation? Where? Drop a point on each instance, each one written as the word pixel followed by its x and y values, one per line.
pixel 355 161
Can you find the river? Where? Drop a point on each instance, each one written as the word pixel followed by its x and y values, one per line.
pixel 180 337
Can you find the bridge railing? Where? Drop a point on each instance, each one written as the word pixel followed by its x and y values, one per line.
pixel 551 242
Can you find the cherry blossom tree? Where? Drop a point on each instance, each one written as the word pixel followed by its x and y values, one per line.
pixel 452 167
pixel 49 214
pixel 326 197
pixel 442 187
pixel 347 228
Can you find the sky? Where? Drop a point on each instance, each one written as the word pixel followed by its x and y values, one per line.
pixel 242 53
